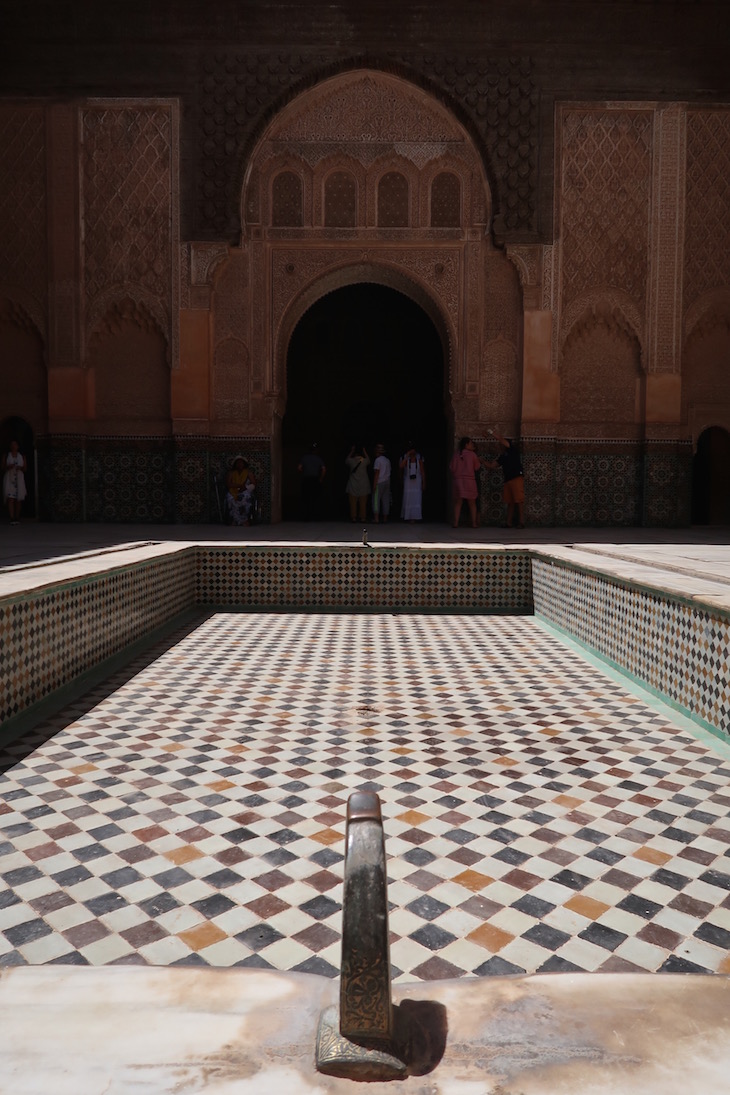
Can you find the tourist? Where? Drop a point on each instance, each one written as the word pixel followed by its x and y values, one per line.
pixel 513 491
pixel 414 484
pixel 312 471
pixel 381 484
pixel 14 491
pixel 358 483
pixel 463 467
pixel 240 485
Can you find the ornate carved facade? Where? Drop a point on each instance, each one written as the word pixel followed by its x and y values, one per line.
pixel 158 252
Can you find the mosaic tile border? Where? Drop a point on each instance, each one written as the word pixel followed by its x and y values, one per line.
pixel 51 636
pixel 432 579
pixel 678 650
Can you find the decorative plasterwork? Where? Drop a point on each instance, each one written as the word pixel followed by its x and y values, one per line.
pixel 528 261
pixel 607 305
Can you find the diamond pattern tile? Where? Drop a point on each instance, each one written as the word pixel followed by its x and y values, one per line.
pixel 538 816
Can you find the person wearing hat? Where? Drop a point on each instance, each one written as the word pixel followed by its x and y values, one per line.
pixel 381 484
pixel 240 485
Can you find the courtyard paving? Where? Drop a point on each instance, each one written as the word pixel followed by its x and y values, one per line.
pixel 539 813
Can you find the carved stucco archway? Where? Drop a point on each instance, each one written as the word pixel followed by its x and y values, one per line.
pixel 364 125
pixel 361 273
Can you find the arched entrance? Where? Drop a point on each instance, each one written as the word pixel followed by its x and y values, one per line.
pixel 364 363
pixel 711 478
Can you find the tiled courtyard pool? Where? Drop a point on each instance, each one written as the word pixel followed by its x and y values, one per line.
pixel 539 813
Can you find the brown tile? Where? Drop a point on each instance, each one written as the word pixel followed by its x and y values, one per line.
pixel 142 934
pixel 317 937
pixel 136 854
pixel 230 856
pixel 622 879
pixel 423 880
pixel 480 907
pixel 547 836
pixel 437 969
pixel 559 855
pixel 467 856
pixel 616 964
pixel 416 836
pixel 659 936
pixel 57 832
pixel 323 881
pixel 266 906
pixel 690 905
pixel 522 880
pixel 83 934
pixel 698 855
pixel 50 902
pixel 328 817
pixel 716 833
pixel 150 833
pixel 272 880
pixel 43 851
pixel 197 832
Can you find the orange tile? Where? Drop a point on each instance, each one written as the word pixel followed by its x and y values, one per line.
pixel 724 966
pixel 403 750
pixel 327 836
pixel 412 817
pixel 651 855
pixel 586 906
pixel 199 938
pixel 221 785
pixel 490 937
pixel 183 855
pixel 79 768
pixel 506 762
pixel 568 800
pixel 472 880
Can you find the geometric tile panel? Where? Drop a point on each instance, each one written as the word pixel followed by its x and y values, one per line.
pixel 52 635
pixel 678 649
pixel 538 818
pixel 362 577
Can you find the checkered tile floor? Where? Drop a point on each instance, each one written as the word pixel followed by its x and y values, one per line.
pixel 538 816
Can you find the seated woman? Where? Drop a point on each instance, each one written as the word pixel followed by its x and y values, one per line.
pixel 240 485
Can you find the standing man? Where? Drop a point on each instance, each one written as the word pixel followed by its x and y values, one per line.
pixel 513 491
pixel 381 484
pixel 312 470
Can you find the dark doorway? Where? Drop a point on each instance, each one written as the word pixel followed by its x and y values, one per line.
pixel 17 429
pixel 365 364
pixel 711 478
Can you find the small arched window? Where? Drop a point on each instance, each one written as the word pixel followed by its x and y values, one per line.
pixel 446 201
pixel 393 201
pixel 286 201
pixel 340 200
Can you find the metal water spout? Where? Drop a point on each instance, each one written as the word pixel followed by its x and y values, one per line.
pixel 359 1042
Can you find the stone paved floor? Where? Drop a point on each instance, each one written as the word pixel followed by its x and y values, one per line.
pixel 538 815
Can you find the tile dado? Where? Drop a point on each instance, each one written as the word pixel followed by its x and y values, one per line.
pixel 431 579
pixel 680 650
pixel 49 636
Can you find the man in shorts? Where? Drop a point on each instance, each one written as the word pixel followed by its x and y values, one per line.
pixel 513 491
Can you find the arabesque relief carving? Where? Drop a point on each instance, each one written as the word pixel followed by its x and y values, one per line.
pixel 497 97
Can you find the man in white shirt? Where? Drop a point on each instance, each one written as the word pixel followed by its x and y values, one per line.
pixel 381 484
